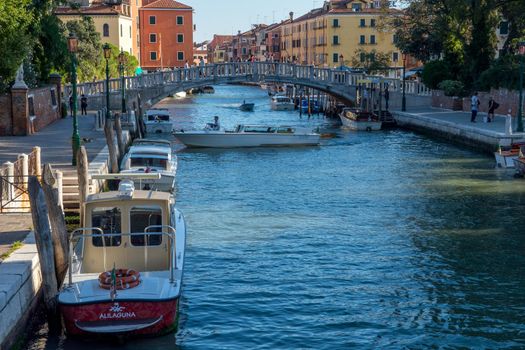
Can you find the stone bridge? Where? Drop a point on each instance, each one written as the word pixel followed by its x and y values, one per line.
pixel 153 87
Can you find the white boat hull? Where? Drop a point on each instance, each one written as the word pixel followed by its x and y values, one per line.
pixel 233 140
pixel 180 94
pixel 360 125
pixel 283 106
pixel 158 128
pixel 166 183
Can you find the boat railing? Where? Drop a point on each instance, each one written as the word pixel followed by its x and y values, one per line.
pixel 79 234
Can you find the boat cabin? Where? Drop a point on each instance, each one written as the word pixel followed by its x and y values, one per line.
pixel 122 220
pixel 264 129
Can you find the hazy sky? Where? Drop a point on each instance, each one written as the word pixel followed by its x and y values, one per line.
pixel 228 16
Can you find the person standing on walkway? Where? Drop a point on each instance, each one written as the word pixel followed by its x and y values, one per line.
pixel 492 106
pixel 83 104
pixel 474 103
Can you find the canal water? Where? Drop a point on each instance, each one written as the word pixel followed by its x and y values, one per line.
pixel 384 240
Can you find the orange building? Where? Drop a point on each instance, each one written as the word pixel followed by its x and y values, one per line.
pixel 166 34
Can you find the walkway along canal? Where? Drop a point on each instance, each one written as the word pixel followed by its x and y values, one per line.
pixel 372 240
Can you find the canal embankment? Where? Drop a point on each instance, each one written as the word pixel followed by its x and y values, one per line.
pixel 456 127
pixel 20 272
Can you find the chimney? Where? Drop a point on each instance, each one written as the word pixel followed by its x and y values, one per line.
pixel 291 16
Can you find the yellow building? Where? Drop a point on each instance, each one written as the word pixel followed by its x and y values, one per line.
pixel 344 29
pixel 116 24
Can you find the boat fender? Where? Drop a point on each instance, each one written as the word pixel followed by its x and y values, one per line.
pixel 125 279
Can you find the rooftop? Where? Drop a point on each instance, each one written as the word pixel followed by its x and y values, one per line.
pixel 167 4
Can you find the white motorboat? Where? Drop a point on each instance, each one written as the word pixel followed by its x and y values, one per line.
pixel 250 136
pixel 357 119
pixel 158 121
pixel 126 264
pixel 282 103
pixel 180 94
pixel 151 156
pixel 505 156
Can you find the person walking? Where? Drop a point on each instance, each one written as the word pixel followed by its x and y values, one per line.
pixel 474 103
pixel 492 106
pixel 83 104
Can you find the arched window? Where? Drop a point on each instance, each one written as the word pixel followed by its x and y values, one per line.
pixel 105 29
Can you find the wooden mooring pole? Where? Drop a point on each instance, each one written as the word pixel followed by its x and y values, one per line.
pixel 113 159
pixel 82 172
pixel 45 249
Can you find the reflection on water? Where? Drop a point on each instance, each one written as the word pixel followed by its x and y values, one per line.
pixel 372 240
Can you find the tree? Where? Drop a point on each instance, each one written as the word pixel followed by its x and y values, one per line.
pixel 15 41
pixel 89 56
pixel 372 62
pixel 129 69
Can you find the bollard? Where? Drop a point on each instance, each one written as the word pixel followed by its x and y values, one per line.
pixel 60 180
pixel 10 180
pixel 25 169
pixel 38 162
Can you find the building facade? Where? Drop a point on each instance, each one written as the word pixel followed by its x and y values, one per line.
pixel 166 34
pixel 338 33
pixel 114 23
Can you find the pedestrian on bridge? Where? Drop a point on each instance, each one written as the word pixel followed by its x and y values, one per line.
pixel 83 104
pixel 474 104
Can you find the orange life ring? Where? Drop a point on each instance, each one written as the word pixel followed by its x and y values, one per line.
pixel 125 279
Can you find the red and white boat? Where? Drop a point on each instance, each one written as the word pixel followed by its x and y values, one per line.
pixel 126 264
pixel 505 156
pixel 357 119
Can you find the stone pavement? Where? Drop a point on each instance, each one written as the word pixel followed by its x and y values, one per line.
pixel 55 141
pixel 456 126
pixel 13 227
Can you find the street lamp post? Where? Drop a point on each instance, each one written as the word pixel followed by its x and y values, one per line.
pixel 403 99
pixel 341 58
pixel 521 46
pixel 72 45
pixel 107 55
pixel 122 60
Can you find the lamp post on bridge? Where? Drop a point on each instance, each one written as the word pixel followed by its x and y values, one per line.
pixel 107 56
pixel 341 58
pixel 521 47
pixel 122 60
pixel 72 45
pixel 403 99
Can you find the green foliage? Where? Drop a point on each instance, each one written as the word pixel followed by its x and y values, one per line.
pixel 452 87
pixel 504 73
pixel 435 72
pixel 89 48
pixel 129 68
pixel 15 40
pixel 372 62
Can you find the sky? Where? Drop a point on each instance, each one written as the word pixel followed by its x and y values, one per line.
pixel 228 16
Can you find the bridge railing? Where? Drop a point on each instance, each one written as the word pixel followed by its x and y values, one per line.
pixel 253 71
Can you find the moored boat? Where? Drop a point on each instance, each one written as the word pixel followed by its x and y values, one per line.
pixel 151 156
pixel 505 156
pixel 180 94
pixel 357 119
pixel 282 103
pixel 157 121
pixel 125 265
pixel 249 136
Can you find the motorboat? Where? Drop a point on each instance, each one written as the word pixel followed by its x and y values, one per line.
pixel 309 104
pixel 247 107
pixel 358 119
pixel 505 156
pixel 157 121
pixel 208 90
pixel 282 103
pixel 180 94
pixel 151 156
pixel 125 264
pixel 250 136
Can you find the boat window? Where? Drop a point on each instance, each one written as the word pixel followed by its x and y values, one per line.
pixel 149 162
pixel 142 217
pixel 109 220
pixel 285 131
pixel 256 129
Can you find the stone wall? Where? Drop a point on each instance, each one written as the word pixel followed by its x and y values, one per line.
pixel 508 100
pixel 6 122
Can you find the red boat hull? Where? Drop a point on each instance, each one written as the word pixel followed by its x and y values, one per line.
pixel 121 317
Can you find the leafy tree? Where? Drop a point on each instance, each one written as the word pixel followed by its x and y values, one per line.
pixel 435 72
pixel 372 62
pixel 89 58
pixel 113 63
pixel 15 41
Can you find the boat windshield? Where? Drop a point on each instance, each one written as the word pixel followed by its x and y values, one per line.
pixel 282 99
pixel 158 117
pixel 259 129
pixel 285 130
pixel 153 162
pixel 108 220
pixel 142 217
